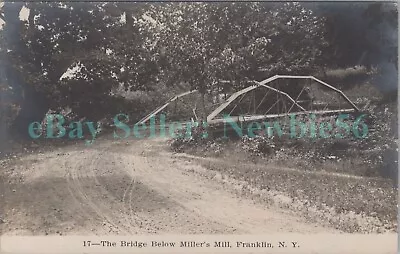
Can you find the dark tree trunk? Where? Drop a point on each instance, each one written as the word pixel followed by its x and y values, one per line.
pixel 33 109
pixel 203 107
pixel 33 105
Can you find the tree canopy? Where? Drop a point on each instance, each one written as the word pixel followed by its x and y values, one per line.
pixel 76 54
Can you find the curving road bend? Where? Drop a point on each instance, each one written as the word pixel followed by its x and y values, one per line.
pixel 129 187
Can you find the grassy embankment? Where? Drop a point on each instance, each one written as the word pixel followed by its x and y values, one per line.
pixel 347 183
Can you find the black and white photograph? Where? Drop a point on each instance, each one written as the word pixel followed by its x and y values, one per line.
pixel 222 118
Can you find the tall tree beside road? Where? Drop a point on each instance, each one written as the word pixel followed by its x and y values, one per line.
pixel 206 43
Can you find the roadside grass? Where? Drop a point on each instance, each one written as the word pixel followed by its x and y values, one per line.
pixel 350 184
pixel 348 202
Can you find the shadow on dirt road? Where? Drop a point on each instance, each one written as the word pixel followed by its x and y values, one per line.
pixel 127 187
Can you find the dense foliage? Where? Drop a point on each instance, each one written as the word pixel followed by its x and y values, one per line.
pixel 212 47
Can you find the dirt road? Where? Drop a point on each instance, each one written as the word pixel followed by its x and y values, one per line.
pixel 128 187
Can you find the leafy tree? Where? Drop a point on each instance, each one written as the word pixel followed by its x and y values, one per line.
pixel 363 34
pixel 360 33
pixel 102 41
pixel 206 43
pixel 12 48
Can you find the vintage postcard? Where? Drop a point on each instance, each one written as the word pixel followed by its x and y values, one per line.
pixel 198 127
